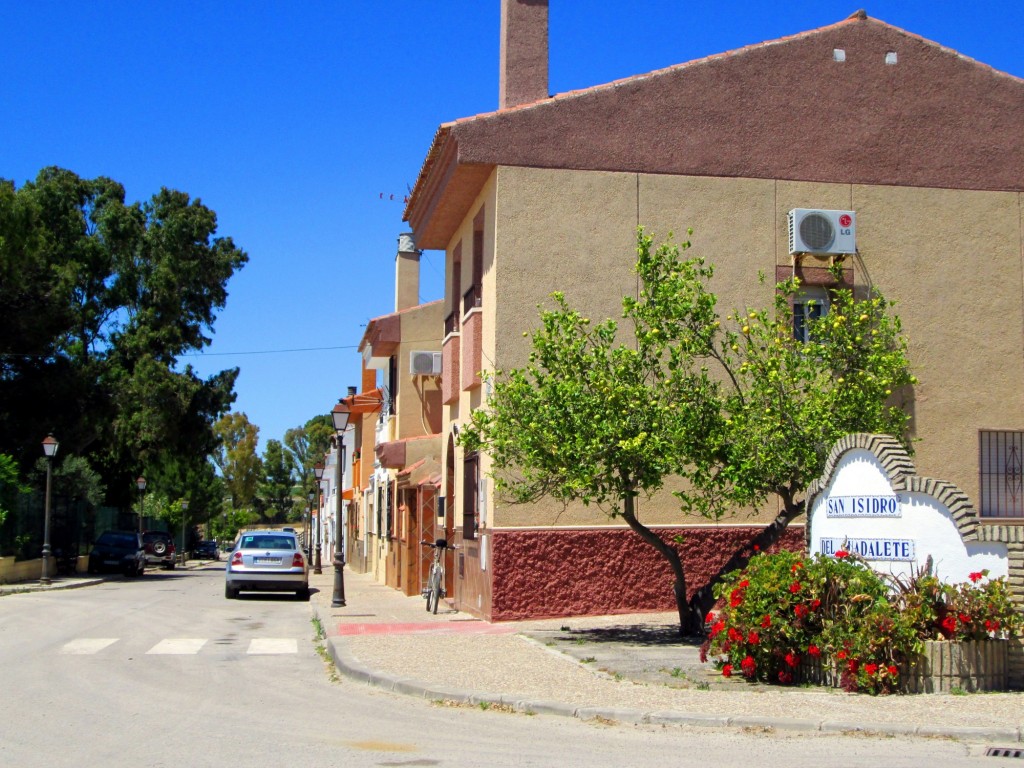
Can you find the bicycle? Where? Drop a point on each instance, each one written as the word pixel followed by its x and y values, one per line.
pixel 434 590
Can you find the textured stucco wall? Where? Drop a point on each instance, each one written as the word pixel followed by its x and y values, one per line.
pixel 565 572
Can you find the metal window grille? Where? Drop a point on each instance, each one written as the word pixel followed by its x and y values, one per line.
pixel 1000 453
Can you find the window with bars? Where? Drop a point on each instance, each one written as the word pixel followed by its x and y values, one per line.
pixel 1000 454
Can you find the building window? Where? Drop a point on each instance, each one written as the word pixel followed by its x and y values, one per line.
pixel 470 495
pixel 1000 454
pixel 810 305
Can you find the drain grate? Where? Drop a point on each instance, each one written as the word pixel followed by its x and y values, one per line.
pixel 1004 752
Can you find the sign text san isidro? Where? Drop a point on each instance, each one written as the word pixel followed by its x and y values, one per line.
pixel 863 506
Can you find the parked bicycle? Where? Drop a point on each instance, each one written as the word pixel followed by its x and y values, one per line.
pixel 434 589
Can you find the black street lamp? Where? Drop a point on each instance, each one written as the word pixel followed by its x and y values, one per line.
pixel 141 485
pixel 340 414
pixel 50 446
pixel 318 472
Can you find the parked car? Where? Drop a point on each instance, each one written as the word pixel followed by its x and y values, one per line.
pixel 267 561
pixel 207 550
pixel 118 551
pixel 159 547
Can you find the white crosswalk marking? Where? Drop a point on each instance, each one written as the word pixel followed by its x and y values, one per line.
pixel 178 646
pixel 268 645
pixel 87 645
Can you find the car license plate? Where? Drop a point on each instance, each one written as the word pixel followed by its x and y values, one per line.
pixel 267 560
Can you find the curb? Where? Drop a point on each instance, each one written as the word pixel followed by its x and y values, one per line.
pixel 347 666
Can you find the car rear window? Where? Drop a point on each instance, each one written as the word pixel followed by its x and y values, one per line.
pixel 268 542
pixel 111 539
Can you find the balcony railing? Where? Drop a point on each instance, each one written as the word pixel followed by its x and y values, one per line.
pixel 471 299
pixel 451 323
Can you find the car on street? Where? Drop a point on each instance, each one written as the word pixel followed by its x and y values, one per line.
pixel 118 551
pixel 159 549
pixel 266 561
pixel 207 550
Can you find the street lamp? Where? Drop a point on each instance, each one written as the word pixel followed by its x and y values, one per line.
pixel 50 446
pixel 340 415
pixel 318 472
pixel 184 517
pixel 309 527
pixel 141 485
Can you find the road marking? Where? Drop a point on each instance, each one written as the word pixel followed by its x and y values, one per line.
pixel 87 645
pixel 178 646
pixel 268 645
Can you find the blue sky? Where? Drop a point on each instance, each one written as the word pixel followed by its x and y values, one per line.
pixel 297 121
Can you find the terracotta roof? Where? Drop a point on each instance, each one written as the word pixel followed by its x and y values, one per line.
pixel 898 110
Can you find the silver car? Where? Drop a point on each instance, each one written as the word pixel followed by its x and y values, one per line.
pixel 267 561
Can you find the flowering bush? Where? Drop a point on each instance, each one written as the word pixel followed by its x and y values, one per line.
pixel 784 608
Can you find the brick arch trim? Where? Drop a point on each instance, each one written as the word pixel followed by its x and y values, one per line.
pixel 902 475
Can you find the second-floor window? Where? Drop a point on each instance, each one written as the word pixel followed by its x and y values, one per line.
pixel 812 304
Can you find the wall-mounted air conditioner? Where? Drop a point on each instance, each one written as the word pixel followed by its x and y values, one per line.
pixel 822 233
pixel 424 363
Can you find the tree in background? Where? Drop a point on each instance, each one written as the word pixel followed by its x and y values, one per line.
pixel 308 444
pixel 737 407
pixel 98 300
pixel 277 481
pixel 236 458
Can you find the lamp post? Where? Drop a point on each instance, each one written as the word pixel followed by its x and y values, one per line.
pixel 318 472
pixel 140 483
pixel 309 527
pixel 184 518
pixel 340 414
pixel 50 446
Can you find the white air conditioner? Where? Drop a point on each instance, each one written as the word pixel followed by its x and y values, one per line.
pixel 424 363
pixel 822 232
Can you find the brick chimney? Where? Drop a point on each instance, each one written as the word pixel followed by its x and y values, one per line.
pixel 524 52
pixel 407 273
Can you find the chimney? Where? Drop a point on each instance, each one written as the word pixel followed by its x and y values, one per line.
pixel 407 273
pixel 524 52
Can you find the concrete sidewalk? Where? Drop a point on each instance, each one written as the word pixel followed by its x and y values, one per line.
pixel 626 668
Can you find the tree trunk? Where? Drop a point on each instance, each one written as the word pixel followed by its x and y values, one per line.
pixel 703 599
pixel 689 623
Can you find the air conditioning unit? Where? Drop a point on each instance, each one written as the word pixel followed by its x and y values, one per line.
pixel 822 233
pixel 424 363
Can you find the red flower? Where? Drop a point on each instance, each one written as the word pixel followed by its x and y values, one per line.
pixel 753 638
pixel 976 576
pixel 815 604
pixel 785 677
pixel 757 548
pixel 766 621
pixel 948 625
pixel 841 553
pixel 894 670
pixel 841 655
pixel 792 659
pixel 991 625
pixel 794 587
pixel 735 635
pixel 814 651
pixel 800 610
pixel 727 670
pixel 964 618
pixel 749 666
pixel 736 598
pixel 718 627
pixel 795 567
pixel 852 665
pixel 743 584
pixel 710 617
pixel 871 668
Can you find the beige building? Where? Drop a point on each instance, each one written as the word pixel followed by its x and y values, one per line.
pixel 920 146
pixel 397 422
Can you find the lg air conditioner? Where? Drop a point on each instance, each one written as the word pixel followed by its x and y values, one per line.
pixel 822 233
pixel 424 363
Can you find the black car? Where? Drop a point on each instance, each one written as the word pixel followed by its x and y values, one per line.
pixel 118 551
pixel 207 550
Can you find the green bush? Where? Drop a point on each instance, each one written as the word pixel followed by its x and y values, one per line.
pixel 784 608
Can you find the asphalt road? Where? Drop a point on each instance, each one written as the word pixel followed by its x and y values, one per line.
pixel 163 671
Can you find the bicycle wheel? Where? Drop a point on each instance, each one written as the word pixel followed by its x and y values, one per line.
pixel 429 592
pixel 435 590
